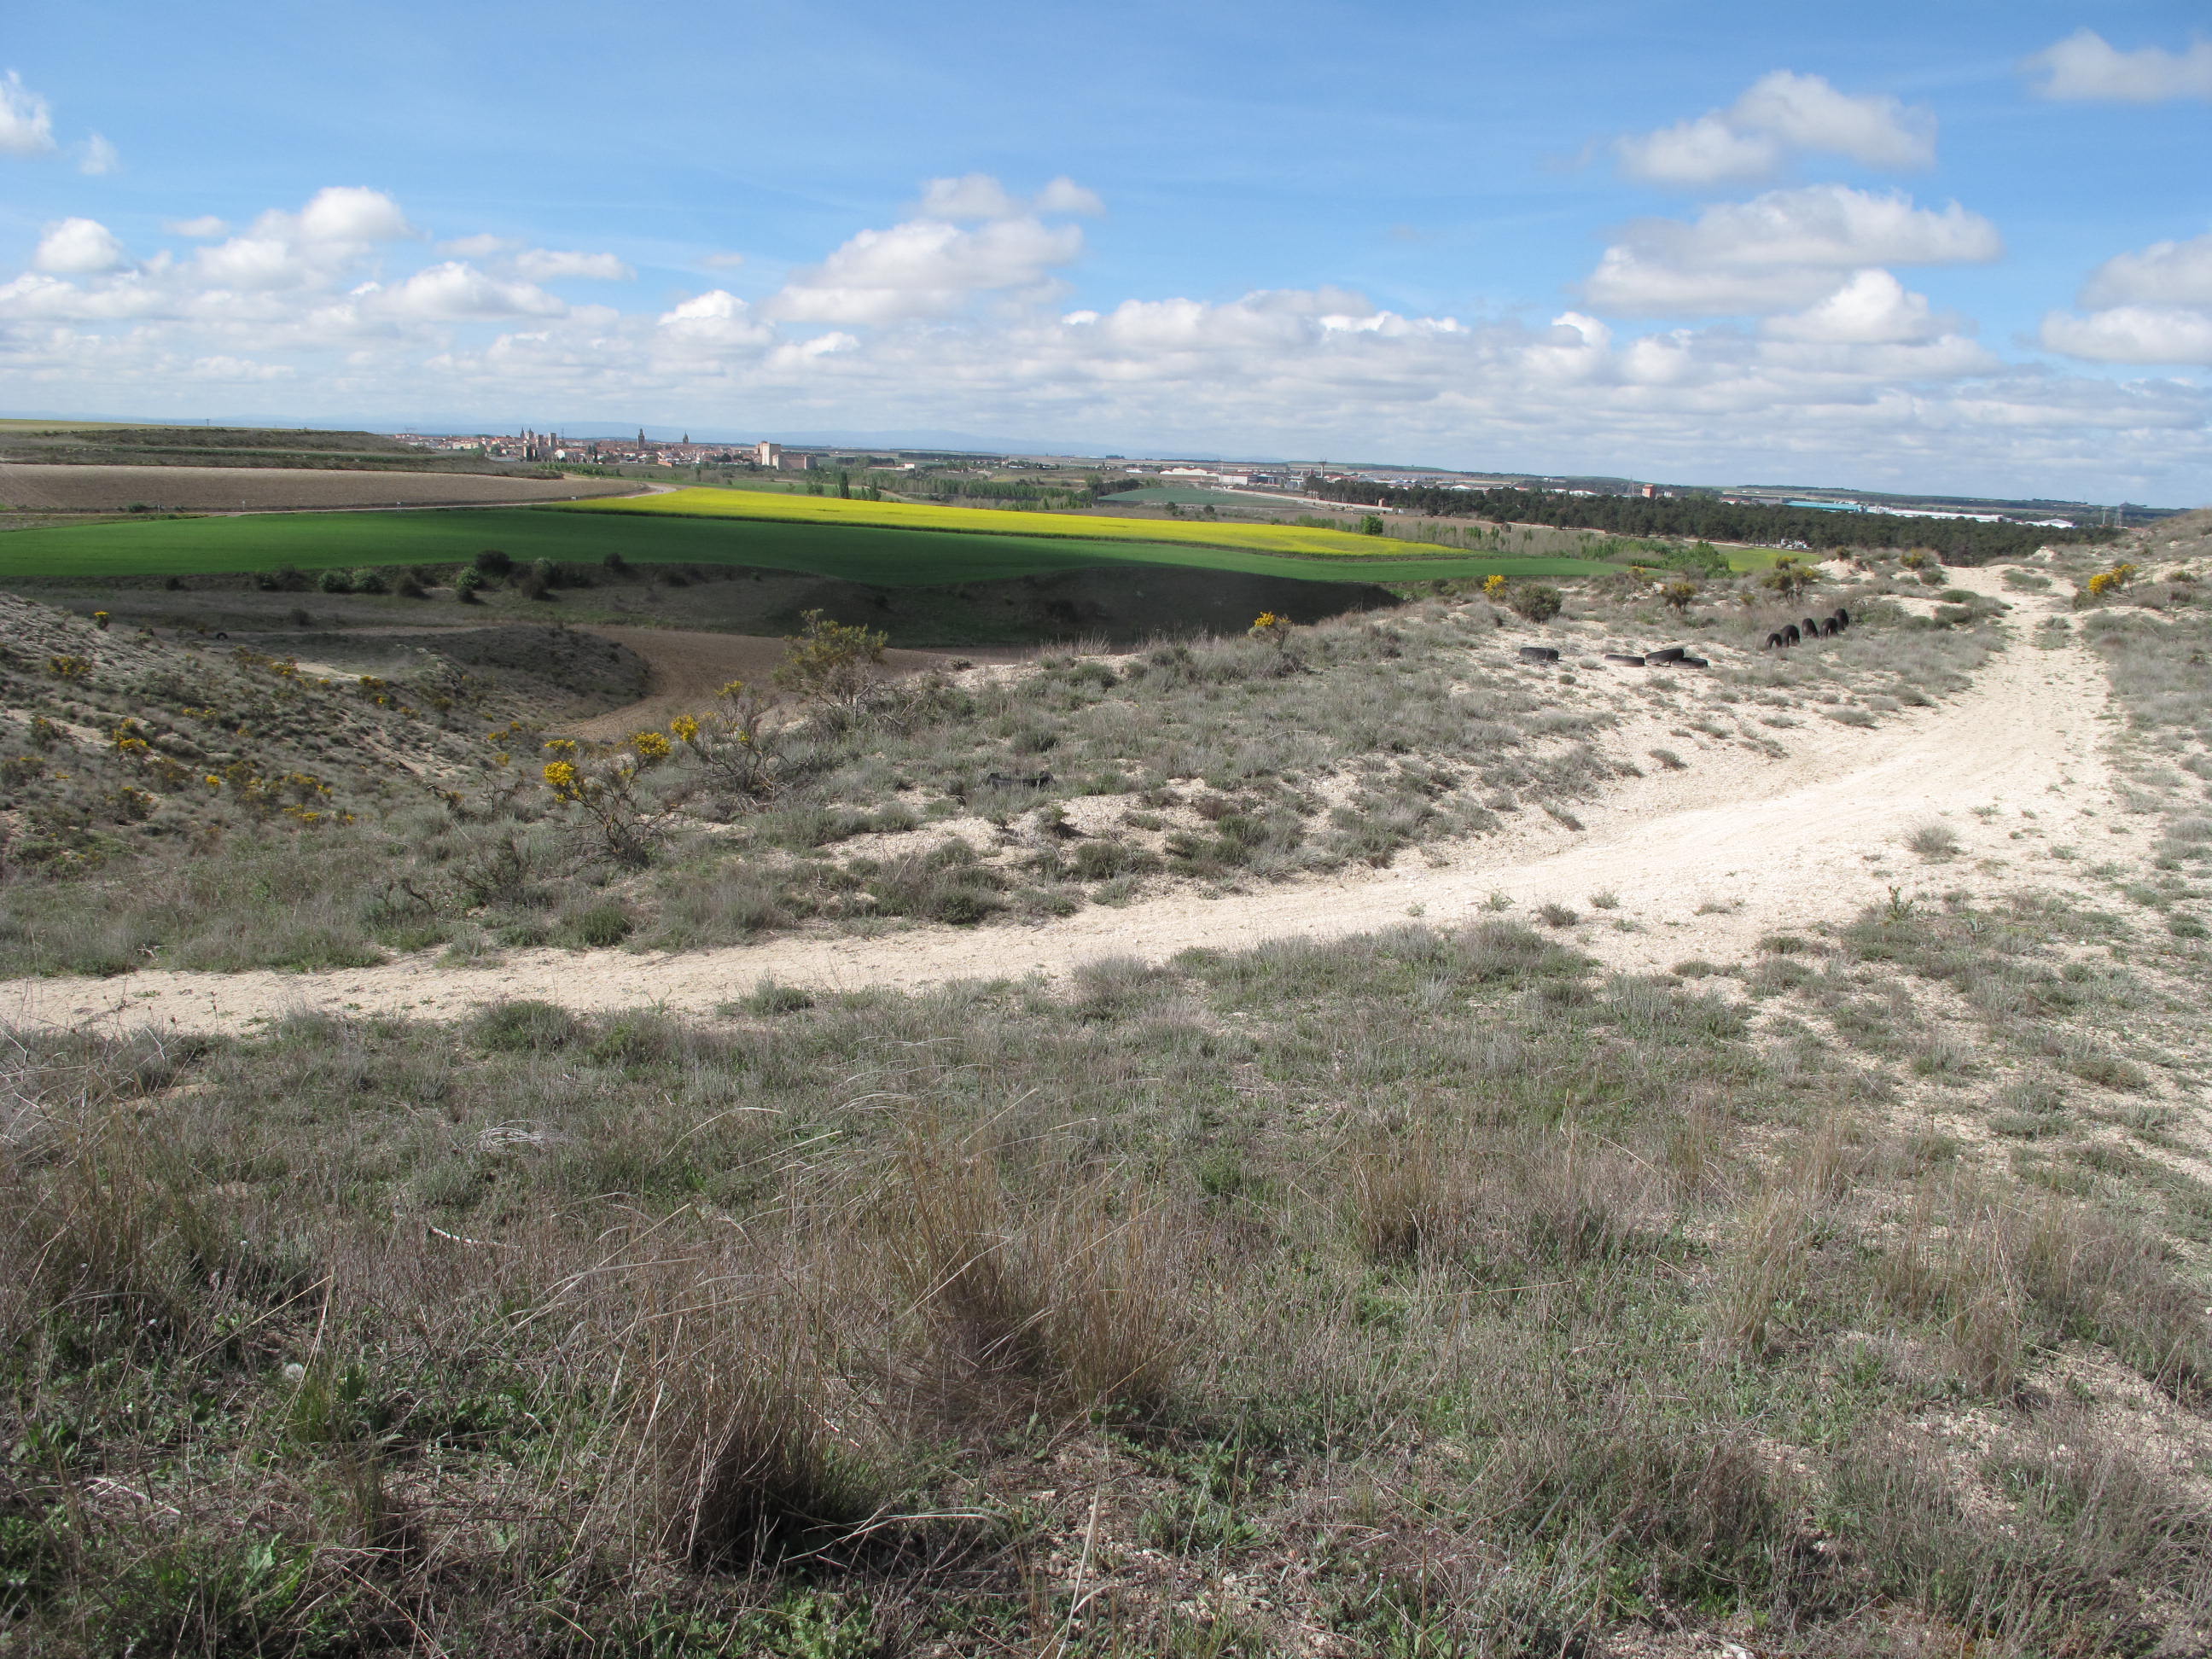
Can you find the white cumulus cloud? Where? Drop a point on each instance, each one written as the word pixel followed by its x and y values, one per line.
pixel 27 120
pixel 2086 67
pixel 207 226
pixel 2165 273
pixel 1782 115
pixel 97 155
pixel 339 227
pixel 1873 308
pixel 1063 195
pixel 352 213
pixel 1704 150
pixel 716 318
pixel 926 268
pixel 457 291
pixel 2151 306
pixel 1777 252
pixel 2134 334
pixel 78 247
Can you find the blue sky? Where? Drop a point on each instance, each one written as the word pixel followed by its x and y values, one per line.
pixel 1962 248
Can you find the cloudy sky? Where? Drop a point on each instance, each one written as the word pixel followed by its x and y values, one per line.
pixel 1963 247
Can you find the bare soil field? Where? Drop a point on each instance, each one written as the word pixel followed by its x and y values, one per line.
pixel 40 489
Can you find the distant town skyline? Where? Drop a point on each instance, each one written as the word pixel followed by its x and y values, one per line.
pixel 1962 251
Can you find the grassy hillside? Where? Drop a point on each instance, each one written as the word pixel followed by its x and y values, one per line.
pixel 1193 766
pixel 1438 1294
pixel 853 551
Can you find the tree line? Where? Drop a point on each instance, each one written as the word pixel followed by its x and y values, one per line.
pixel 1047 494
pixel 1957 541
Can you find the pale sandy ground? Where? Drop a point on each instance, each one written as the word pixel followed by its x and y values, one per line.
pixel 1702 862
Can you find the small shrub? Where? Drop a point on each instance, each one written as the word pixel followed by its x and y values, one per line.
pixel 770 997
pixel 1933 840
pixel 597 927
pixel 1534 602
pixel 1103 860
pixel 1557 915
pixel 829 663
pixel 526 1026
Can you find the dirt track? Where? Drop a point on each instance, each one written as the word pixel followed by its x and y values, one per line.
pixel 1702 862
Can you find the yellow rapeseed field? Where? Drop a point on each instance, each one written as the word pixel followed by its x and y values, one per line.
pixel 986 522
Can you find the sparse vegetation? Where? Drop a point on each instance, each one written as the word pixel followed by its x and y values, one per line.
pixel 1432 1292
pixel 842 1321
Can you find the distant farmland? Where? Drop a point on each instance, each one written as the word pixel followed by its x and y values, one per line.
pixel 41 488
pixel 1294 540
pixel 852 552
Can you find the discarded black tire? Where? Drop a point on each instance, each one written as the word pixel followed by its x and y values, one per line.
pixel 1623 660
pixel 1691 662
pixel 1539 653
pixel 1843 618
pixel 1830 628
pixel 1774 641
pixel 1790 634
pixel 1672 654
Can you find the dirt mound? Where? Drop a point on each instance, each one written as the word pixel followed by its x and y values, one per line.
pixel 2184 536
pixel 583 663
pixel 65 489
pixel 565 672
pixel 685 670
pixel 113 741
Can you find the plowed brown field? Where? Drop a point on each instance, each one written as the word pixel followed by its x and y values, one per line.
pixel 253 489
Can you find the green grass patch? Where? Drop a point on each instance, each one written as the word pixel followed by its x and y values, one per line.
pixel 852 552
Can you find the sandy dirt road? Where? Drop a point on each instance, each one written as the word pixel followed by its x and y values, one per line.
pixel 1700 864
